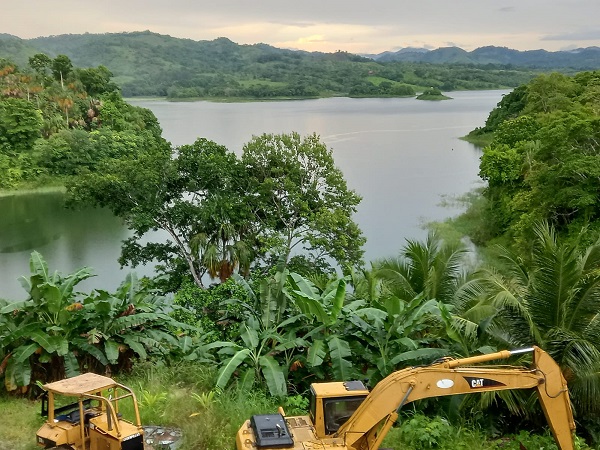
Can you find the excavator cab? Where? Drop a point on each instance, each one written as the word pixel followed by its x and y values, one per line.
pixel 332 404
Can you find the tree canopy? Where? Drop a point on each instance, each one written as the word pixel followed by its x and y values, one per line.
pixel 58 126
pixel 222 213
pixel 543 162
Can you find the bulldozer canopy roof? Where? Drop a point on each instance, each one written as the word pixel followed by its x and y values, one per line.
pixel 86 383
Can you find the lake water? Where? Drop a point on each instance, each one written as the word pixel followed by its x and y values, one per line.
pixel 403 156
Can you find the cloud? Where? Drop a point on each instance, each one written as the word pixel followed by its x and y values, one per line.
pixel 583 35
pixel 312 39
pixel 506 9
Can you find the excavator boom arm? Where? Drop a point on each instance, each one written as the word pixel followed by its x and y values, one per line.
pixel 458 376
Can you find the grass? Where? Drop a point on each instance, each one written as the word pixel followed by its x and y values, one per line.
pixel 178 396
pixel 25 190
pixel 479 140
pixel 182 396
pixel 20 421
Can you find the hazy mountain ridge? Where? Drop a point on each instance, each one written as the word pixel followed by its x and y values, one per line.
pixel 579 59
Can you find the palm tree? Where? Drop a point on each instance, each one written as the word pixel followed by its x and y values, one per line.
pixel 410 292
pixel 552 301
pixel 223 251
pixel 433 269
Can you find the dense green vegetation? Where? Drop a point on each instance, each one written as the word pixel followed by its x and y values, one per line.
pixel 290 300
pixel 543 161
pixel 57 121
pixel 149 64
pixel 293 330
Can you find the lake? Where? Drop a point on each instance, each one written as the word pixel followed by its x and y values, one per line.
pixel 403 156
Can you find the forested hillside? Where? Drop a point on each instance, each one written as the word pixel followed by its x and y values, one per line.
pixel 544 161
pixel 58 121
pixel 149 64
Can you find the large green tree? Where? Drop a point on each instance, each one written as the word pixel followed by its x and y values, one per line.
pixel 221 214
pixel 20 124
pixel 302 200
pixel 61 67
pixel 181 195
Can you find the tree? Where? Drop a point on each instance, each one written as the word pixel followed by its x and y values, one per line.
pixel 301 199
pixel 61 67
pixel 192 196
pixel 433 269
pixel 552 92
pixel 40 62
pixel 96 81
pixel 220 213
pixel 20 125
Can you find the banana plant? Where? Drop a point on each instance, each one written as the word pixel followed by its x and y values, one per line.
pixel 327 314
pixel 267 343
pixel 64 330
pixel 256 355
pixel 44 324
pixel 395 332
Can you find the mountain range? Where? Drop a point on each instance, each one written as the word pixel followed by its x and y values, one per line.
pixel 578 59
pixel 77 46
pixel 150 64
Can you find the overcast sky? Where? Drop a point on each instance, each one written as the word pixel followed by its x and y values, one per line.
pixel 364 26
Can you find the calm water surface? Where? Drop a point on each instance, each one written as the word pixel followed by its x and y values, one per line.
pixel 403 156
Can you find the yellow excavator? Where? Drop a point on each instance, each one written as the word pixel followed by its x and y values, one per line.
pixel 346 416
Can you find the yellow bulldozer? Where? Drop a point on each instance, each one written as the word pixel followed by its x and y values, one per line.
pixel 95 419
pixel 346 416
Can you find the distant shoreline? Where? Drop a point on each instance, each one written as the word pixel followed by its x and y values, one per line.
pixel 27 191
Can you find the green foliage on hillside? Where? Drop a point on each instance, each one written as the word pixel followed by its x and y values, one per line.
pixel 149 64
pixel 58 121
pixel 543 164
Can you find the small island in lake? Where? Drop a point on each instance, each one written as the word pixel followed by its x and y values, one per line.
pixel 433 94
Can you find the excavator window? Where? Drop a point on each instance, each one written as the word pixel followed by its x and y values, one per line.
pixel 338 411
